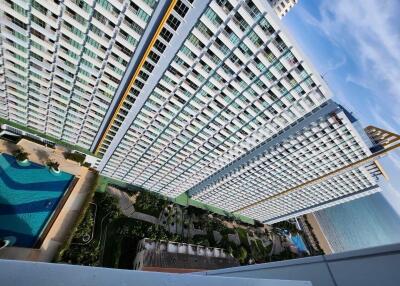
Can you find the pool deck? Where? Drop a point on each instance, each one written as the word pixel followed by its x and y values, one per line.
pixel 68 214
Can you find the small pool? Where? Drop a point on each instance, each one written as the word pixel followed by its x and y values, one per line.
pixel 299 243
pixel 28 197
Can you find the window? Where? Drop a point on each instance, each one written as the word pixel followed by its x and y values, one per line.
pixel 173 22
pixel 181 9
pixel 245 50
pixel 241 22
pixel 160 46
pixel 266 27
pixel 224 49
pixel 226 5
pixel 154 57
pixel 38 21
pixel 149 67
pixel 204 30
pixel 252 9
pixel 195 41
pixel 134 26
pixel 166 35
pixel 34 32
pixel 231 35
pixel 139 12
pixel 213 17
pixel 255 39
pixel 39 7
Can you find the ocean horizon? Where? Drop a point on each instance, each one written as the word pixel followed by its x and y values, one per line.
pixel 365 222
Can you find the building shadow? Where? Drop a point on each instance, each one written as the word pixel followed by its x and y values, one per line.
pixel 14 227
pixel 45 186
pixel 13 163
pixel 9 147
pixel 42 155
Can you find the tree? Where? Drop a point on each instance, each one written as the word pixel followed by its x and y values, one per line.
pixel 20 154
pixel 53 164
pixel 242 255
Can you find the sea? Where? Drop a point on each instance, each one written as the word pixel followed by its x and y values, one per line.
pixel 365 222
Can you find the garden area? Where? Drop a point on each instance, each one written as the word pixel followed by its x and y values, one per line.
pixel 115 220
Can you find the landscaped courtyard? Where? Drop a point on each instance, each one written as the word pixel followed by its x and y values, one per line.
pixel 118 218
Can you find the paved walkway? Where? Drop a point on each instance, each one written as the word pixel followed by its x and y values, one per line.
pixel 69 213
pixel 126 203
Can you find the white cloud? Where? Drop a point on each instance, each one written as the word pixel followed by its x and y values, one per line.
pixel 392 195
pixel 334 65
pixel 395 159
pixel 359 81
pixel 369 31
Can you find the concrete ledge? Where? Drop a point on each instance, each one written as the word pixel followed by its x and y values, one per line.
pixel 370 266
pixel 46 274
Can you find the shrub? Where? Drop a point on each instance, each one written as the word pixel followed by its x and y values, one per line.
pixel 65 248
pixel 149 203
pixel 77 157
pixel 242 255
pixel 53 164
pixel 20 154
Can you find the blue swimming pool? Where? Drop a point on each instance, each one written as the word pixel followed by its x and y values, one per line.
pixel 299 243
pixel 28 197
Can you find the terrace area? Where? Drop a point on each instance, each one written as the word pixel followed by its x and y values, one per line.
pixel 66 210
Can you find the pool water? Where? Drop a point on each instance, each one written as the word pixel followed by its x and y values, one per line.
pixel 299 243
pixel 28 197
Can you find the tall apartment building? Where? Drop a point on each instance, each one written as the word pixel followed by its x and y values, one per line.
pixel 62 61
pixel 172 94
pixel 230 80
pixel 261 184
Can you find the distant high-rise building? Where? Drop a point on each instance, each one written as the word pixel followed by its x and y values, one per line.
pixel 172 94
pixel 282 7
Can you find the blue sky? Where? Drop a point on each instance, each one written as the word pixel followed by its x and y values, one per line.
pixel 355 45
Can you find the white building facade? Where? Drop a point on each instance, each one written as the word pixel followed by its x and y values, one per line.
pixel 62 61
pixel 235 81
pixel 180 96
pixel 256 187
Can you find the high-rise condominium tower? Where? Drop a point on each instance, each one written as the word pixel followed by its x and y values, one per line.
pixel 62 61
pixel 191 96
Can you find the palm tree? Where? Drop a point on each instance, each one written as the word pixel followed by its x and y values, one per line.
pixel 53 164
pixel 20 154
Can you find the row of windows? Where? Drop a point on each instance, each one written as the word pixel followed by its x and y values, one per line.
pixel 175 154
pixel 78 94
pixel 332 189
pixel 274 172
pixel 173 22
